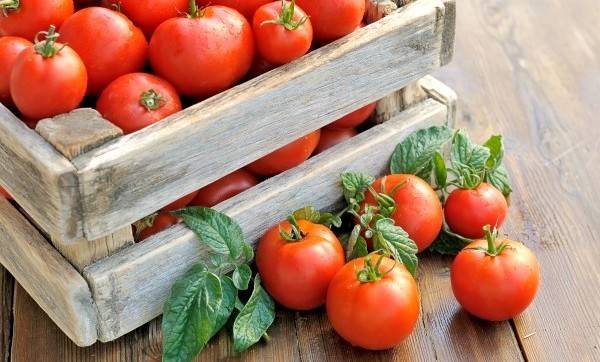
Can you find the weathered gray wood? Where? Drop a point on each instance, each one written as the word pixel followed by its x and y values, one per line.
pixel 52 282
pixel 130 287
pixel 139 173
pixel 442 93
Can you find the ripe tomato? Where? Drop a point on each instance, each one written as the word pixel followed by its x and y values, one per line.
pixel 418 209
pixel 495 279
pixel 134 101
pixel 25 18
pixel 468 211
pixel 333 19
pixel 259 66
pixel 47 79
pixel 148 15
pixel 246 7
pixel 10 47
pixel 373 303
pixel 225 188
pixel 331 137
pixel 154 224
pixel 109 44
pixel 181 203
pixel 205 53
pixel 281 34
pixel 355 118
pixel 296 268
pixel 5 194
pixel 287 157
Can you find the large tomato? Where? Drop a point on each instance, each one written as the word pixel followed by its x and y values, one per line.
pixel 225 188
pixel 25 18
pixel 287 157
pixel 296 269
pixel 148 15
pixel 333 19
pixel 418 210
pixel 495 279
pixel 332 137
pixel 134 101
pixel 204 53
pixel 109 44
pixel 354 119
pixel 373 303
pixel 5 194
pixel 246 7
pixel 282 34
pixel 47 79
pixel 10 47
pixel 468 211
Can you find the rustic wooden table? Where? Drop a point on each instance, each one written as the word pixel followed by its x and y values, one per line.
pixel 527 69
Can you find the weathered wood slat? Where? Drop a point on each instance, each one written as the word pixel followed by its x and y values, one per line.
pixel 139 173
pixel 6 311
pixel 47 276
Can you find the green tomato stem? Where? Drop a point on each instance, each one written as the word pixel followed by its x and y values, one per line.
pixel 8 5
pixel 151 100
pixel 47 48
pixel 286 18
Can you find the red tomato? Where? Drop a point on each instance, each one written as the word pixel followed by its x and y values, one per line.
pixel 355 118
pixel 109 44
pixel 5 194
pixel 259 66
pixel 47 79
pixel 281 35
pixel 333 19
pixel 296 273
pixel 246 7
pixel 205 53
pixel 497 284
pixel 332 137
pixel 137 100
pixel 148 15
pixel 10 47
pixel 155 224
pixel 25 18
pixel 374 312
pixel 468 211
pixel 181 203
pixel 418 209
pixel 286 157
pixel 225 188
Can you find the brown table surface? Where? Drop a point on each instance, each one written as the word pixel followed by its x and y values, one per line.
pixel 527 69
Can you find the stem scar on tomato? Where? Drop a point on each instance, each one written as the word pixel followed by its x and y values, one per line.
pixel 151 100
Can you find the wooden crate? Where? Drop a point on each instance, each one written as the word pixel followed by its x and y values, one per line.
pixel 82 183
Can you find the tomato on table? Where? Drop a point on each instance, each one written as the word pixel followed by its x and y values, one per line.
pixel 468 211
pixel 148 15
pixel 296 261
pixel 5 194
pixel 333 19
pixel 245 7
pixel 225 188
pixel 287 157
pixel 137 100
pixel 495 279
pixel 204 53
pixel 26 18
pixel 109 44
pixel 10 47
pixel 47 78
pixel 154 224
pixel 332 137
pixel 354 119
pixel 373 302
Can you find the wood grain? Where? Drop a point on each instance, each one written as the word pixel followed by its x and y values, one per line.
pixel 6 303
pixel 205 140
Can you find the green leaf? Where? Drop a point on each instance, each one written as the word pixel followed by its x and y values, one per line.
pixel 230 294
pixel 499 179
pixel 496 147
pixel 310 213
pixel 466 154
pixel 415 153
pixel 441 172
pixel 254 319
pixel 354 185
pixel 354 244
pixel 217 230
pixel 241 276
pixel 449 243
pixel 396 241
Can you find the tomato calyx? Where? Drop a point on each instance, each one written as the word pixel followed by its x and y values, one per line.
pixel 296 233
pixel 194 11
pixel 151 100
pixel 286 18
pixel 9 5
pixel 370 273
pixel 144 224
pixel 47 47
pixel 491 236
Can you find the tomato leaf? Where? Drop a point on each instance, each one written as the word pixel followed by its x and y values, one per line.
pixel 441 172
pixel 241 276
pixel 499 179
pixel 354 244
pixel 394 240
pixel 496 146
pixel 254 319
pixel 230 294
pixel 414 155
pixel 449 243
pixel 310 213
pixel 354 185
pixel 466 154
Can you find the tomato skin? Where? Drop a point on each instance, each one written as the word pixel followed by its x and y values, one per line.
pixel 332 137
pixel 354 119
pixel 162 222
pixel 10 47
pixel 495 288
pixel 5 194
pixel 203 56
pixel 287 157
pixel 245 7
pixel 468 211
pixel 333 19
pixel 148 15
pixel 418 209
pixel 34 16
pixel 375 315
pixel 181 203
pixel 224 188
pixel 297 273
pixel 108 43
pixel 45 87
pixel 120 101
pixel 274 42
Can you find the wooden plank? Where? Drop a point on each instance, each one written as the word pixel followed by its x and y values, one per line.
pixel 130 287
pixel 205 140
pixel 55 285
pixel 6 311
